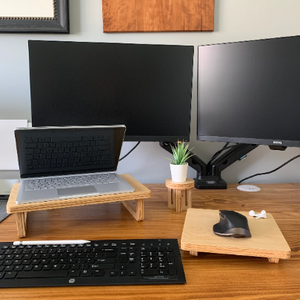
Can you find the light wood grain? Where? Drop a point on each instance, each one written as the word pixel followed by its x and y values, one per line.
pixel 21 221
pixel 135 206
pixel 157 15
pixel 188 184
pixel 141 192
pixel 266 240
pixel 209 275
pixel 179 194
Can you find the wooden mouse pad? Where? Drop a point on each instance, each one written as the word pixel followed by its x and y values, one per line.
pixel 266 241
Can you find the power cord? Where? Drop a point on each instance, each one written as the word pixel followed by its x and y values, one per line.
pixel 129 151
pixel 225 147
pixel 274 170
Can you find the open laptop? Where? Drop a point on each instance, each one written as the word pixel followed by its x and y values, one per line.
pixel 69 162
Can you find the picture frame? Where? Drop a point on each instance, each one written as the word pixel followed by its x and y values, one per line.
pixel 25 19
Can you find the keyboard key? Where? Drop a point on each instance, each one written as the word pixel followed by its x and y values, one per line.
pixel 149 272
pixel 172 269
pixel 42 274
pixel 74 273
pixel 86 273
pixel 99 272
pixel 104 266
pixel 10 275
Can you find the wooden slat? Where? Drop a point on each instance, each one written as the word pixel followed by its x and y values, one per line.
pixel 157 15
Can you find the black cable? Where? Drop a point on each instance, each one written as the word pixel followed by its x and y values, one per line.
pixel 225 147
pixel 274 170
pixel 129 151
pixel 218 153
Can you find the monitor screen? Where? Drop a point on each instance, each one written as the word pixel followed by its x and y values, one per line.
pixel 145 87
pixel 249 92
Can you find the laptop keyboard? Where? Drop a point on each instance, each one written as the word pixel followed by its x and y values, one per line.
pixel 102 262
pixel 65 152
pixel 69 181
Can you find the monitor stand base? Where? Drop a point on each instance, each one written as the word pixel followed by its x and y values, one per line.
pixel 210 182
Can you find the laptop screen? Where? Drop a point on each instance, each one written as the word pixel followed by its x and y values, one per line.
pixel 49 151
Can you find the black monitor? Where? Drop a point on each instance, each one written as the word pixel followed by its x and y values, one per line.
pixel 145 87
pixel 249 94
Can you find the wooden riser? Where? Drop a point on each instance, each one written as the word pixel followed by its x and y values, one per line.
pixel 266 241
pixel 134 202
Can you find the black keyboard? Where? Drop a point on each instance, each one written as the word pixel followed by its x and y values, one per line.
pixel 58 152
pixel 103 262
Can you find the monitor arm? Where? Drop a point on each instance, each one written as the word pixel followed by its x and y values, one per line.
pixel 209 175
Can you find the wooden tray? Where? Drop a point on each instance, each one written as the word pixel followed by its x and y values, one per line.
pixel 266 241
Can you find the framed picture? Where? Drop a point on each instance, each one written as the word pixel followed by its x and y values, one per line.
pixel 34 16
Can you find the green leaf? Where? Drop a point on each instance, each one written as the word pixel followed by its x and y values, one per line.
pixel 181 153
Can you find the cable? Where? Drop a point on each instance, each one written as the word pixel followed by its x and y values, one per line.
pixel 218 153
pixel 129 151
pixel 274 170
pixel 225 147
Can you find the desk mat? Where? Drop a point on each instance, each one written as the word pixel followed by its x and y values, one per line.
pixel 266 241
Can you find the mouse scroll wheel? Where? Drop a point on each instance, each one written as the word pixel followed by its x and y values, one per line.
pixel 222 216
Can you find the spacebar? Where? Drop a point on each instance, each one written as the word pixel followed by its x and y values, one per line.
pixel 42 274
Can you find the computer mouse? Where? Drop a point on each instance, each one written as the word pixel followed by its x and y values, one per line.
pixel 232 224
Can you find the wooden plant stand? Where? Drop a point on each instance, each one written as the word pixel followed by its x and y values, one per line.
pixel 134 202
pixel 179 194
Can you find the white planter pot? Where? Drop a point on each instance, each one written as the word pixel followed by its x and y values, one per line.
pixel 179 172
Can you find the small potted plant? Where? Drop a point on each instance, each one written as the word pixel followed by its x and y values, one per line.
pixel 179 165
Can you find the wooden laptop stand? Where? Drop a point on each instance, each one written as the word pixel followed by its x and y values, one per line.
pixel 134 202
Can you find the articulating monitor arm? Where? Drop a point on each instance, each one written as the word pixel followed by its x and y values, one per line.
pixel 213 179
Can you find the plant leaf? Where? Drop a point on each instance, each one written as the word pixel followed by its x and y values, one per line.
pixel 181 153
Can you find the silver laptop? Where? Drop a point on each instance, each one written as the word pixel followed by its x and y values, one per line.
pixel 69 162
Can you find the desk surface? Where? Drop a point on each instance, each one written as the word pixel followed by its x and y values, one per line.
pixel 209 276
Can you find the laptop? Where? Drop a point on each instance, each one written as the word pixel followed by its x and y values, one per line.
pixel 69 162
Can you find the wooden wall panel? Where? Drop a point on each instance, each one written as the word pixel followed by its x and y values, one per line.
pixel 157 15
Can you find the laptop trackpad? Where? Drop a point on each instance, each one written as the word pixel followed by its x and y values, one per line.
pixel 77 191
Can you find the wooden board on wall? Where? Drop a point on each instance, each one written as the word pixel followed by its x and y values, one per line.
pixel 157 15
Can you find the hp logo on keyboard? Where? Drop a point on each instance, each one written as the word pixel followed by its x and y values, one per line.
pixel 72 280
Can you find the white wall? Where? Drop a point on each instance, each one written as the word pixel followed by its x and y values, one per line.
pixel 235 20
